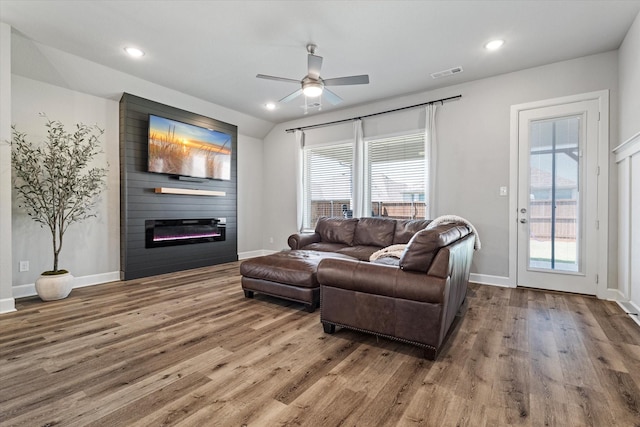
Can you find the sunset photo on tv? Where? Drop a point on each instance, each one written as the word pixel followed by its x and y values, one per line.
pixel 177 148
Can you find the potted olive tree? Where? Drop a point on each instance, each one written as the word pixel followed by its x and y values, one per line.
pixel 57 187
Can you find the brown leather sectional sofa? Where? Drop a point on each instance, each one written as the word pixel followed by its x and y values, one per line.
pixel 413 299
pixel 357 237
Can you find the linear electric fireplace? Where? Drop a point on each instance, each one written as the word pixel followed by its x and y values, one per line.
pixel 171 232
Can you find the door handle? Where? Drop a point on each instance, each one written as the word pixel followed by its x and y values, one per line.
pixel 523 220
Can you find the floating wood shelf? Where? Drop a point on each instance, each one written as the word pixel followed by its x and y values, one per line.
pixel 189 191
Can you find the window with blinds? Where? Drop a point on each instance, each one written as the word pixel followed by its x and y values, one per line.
pixel 327 182
pixel 396 176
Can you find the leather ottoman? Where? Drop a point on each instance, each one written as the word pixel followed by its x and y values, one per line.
pixel 288 274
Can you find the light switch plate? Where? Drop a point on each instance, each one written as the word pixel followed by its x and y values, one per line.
pixel 503 191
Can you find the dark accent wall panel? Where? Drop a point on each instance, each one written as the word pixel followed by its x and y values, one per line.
pixel 139 202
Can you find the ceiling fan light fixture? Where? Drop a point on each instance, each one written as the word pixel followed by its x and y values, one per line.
pixel 312 89
pixel 312 85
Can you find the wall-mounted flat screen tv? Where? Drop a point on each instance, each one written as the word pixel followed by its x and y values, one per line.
pixel 177 148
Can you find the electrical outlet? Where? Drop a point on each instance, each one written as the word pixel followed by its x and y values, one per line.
pixel 24 266
pixel 270 239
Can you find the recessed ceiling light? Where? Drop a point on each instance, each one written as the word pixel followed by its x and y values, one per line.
pixel 134 51
pixel 270 106
pixel 494 44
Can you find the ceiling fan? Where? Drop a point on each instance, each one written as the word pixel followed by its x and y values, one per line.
pixel 312 85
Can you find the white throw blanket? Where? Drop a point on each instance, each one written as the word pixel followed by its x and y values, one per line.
pixel 447 219
pixel 394 251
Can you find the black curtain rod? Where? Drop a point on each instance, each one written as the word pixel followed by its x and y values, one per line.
pixel 442 101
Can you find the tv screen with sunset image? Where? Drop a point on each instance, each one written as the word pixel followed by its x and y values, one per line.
pixel 178 148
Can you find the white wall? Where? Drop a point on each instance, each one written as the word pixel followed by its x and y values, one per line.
pixel 250 191
pixel 629 126
pixel 629 66
pixel 91 247
pixel 6 295
pixel 473 136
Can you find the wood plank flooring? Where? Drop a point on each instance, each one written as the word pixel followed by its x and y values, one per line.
pixel 188 349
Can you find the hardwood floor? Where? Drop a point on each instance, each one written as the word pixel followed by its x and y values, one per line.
pixel 188 349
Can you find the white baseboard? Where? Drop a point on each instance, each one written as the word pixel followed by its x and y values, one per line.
pixel 631 309
pixel 96 279
pixel 253 254
pixel 7 305
pixel 611 294
pixel 29 289
pixel 487 279
pixel 26 290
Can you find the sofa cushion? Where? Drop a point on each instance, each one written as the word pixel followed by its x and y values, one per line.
pixel 374 232
pixel 424 246
pixel 325 247
pixel 405 229
pixel 297 268
pixel 361 252
pixel 337 230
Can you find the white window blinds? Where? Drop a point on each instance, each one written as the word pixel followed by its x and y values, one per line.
pixel 396 176
pixel 327 182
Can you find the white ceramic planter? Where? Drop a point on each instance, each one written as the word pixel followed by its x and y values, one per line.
pixel 58 286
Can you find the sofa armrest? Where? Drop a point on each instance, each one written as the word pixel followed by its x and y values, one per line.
pixel 300 240
pixel 425 244
pixel 381 279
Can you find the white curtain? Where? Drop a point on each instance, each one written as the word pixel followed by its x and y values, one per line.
pixel 358 173
pixel 431 160
pixel 299 179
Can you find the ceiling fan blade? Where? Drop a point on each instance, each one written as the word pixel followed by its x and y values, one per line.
pixel 292 96
pixel 350 80
pixel 278 79
pixel 331 97
pixel 314 66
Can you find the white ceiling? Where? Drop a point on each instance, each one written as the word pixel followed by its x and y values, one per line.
pixel 214 49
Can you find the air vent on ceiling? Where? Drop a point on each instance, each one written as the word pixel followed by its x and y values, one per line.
pixel 444 73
